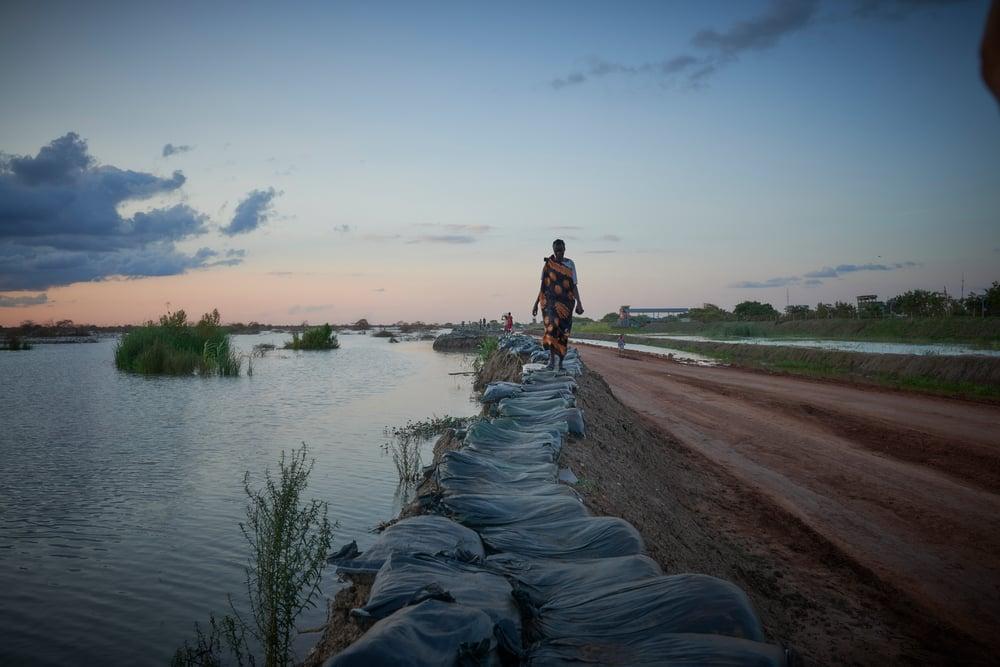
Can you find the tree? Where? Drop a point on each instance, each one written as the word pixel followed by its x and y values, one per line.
pixel 610 318
pixel 920 303
pixel 362 324
pixel 755 310
pixel 798 312
pixel 709 312
pixel 844 310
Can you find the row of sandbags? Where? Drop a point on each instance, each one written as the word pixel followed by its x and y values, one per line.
pixel 522 344
pixel 513 568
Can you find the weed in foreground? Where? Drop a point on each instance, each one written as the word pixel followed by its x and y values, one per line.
pixel 289 540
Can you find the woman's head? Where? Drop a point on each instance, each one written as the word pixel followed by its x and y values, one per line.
pixel 559 248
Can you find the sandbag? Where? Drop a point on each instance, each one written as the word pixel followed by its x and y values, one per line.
pixel 537 453
pixel 573 418
pixel 466 463
pixel 409 579
pixel 539 580
pixel 497 390
pixel 516 407
pixel 625 613
pixel 481 511
pixel 430 634
pixel 569 539
pixel 429 534
pixel 668 650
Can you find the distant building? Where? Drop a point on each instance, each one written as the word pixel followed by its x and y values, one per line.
pixel 870 307
pixel 625 313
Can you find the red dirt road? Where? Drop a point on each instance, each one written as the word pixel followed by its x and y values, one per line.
pixel 906 486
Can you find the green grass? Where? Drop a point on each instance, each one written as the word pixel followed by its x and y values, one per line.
pixel 175 348
pixel 315 338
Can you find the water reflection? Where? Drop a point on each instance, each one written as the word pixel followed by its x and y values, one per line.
pixel 120 495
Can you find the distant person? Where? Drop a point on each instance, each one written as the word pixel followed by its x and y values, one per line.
pixel 508 323
pixel 621 344
pixel 557 295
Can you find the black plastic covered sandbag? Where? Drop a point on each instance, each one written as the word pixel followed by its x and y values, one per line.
pixel 496 390
pixel 481 486
pixel 529 426
pixel 428 634
pixel 405 580
pixel 570 539
pixel 573 417
pixel 466 463
pixel 481 511
pixel 428 533
pixel 494 432
pixel 535 453
pixel 539 579
pixel 668 650
pixel 516 407
pixel 684 603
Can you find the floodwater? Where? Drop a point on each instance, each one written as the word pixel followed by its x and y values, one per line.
pixel 682 356
pixel 120 496
pixel 845 345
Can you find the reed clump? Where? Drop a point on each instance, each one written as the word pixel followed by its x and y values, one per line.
pixel 403 443
pixel 174 347
pixel 314 338
pixel 15 343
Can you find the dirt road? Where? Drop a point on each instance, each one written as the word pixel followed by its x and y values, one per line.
pixel 905 486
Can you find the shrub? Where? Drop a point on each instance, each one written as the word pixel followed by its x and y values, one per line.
pixel 289 540
pixel 173 347
pixel 316 338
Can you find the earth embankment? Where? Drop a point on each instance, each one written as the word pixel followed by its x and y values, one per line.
pixel 863 524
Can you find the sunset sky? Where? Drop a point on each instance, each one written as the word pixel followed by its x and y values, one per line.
pixel 415 160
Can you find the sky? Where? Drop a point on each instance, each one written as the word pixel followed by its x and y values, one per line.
pixel 414 161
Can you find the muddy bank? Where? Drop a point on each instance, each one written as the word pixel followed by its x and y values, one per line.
pixel 951 373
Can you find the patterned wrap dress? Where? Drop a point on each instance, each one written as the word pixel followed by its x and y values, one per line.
pixel 557 297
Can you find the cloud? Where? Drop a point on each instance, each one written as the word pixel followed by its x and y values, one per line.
pixel 470 229
pixel 380 237
pixel 22 301
pixel 252 212
pixel 565 227
pixel 281 273
pixel 341 229
pixel 379 289
pixel 600 68
pixel 600 252
pixel 444 238
pixel 718 48
pixel 770 282
pixel 60 220
pixel 760 32
pixel 812 278
pixel 894 10
pixel 611 238
pixel 171 149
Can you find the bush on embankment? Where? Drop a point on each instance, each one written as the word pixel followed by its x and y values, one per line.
pixel 958 375
pixel 174 347
pixel 315 338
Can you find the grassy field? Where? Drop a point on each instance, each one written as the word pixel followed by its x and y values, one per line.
pixel 957 376
pixel 977 332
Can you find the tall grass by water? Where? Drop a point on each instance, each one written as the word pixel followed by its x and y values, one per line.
pixel 314 338
pixel 174 347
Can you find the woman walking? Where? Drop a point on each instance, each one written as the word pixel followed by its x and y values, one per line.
pixel 557 295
